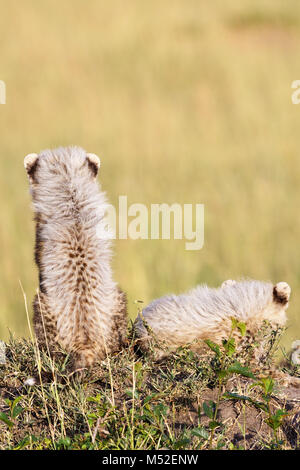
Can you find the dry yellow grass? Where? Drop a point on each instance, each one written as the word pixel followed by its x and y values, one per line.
pixel 185 102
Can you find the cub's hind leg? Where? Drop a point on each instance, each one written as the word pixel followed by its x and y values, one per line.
pixel 119 334
pixel 44 323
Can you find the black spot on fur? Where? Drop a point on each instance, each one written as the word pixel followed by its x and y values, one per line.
pixel 32 170
pixel 38 252
pixel 279 298
pixel 93 168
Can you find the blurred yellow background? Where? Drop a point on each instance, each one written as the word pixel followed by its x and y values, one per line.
pixel 184 101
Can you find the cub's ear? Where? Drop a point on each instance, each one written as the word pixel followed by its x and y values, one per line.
pixel 30 164
pixel 94 163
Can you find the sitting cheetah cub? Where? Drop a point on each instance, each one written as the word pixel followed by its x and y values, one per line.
pixel 78 305
pixel 205 313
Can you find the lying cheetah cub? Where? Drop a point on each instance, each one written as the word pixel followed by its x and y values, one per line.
pixel 205 313
pixel 79 305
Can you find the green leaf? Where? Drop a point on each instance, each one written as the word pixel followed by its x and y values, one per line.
pixel 181 443
pixel 220 445
pixel 209 409
pixel 235 396
pixel 152 396
pixel 261 405
pixel 237 368
pixel 16 411
pixel 213 346
pixel 222 373
pixel 275 420
pixel 160 410
pixel 239 325
pixel 200 432
pixel 266 383
pixel 131 395
pixel 229 346
pixel 6 420
pixel 25 442
pixel 214 424
pixel 15 402
pixel 96 399
pixel 280 414
pixel 242 327
pixel 63 443
pixel 138 366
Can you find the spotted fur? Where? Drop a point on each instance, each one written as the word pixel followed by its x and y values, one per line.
pixel 79 306
pixel 205 313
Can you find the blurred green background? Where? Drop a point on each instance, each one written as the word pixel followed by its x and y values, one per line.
pixel 184 101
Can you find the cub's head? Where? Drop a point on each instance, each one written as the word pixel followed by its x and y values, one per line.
pixel 61 166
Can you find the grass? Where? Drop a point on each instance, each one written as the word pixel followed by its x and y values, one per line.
pixel 183 402
pixel 186 102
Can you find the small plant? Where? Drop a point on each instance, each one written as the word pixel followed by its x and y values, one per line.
pixel 9 418
pixel 273 420
pixel 224 369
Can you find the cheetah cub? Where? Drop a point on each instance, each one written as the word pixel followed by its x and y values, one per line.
pixel 79 306
pixel 205 313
